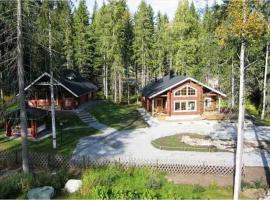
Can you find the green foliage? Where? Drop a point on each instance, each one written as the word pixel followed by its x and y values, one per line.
pixel 15 184
pixel 19 184
pixel 254 185
pixel 114 182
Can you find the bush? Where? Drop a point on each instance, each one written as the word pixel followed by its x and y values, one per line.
pixel 153 183
pixel 19 184
pixel 198 189
pixel 14 185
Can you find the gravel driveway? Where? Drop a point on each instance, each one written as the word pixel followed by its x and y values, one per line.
pixel 136 144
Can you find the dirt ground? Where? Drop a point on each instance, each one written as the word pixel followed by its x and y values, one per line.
pixel 251 175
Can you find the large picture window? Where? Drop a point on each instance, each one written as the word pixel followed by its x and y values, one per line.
pixel 186 91
pixel 188 106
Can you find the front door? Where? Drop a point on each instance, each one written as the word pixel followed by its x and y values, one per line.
pixel 159 105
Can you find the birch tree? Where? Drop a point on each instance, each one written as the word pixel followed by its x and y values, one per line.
pixel 266 11
pixel 20 74
pixel 245 22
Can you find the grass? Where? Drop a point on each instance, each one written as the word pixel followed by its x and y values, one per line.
pixel 121 117
pixel 67 139
pixel 111 182
pixel 114 182
pixel 254 111
pixel 174 143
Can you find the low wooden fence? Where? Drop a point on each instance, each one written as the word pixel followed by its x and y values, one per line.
pixel 56 161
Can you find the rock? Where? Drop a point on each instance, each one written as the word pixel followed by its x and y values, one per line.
pixel 219 144
pixel 73 185
pixel 254 193
pixel 46 192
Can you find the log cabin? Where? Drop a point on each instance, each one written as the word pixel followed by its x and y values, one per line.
pixel 70 91
pixel 37 122
pixel 175 95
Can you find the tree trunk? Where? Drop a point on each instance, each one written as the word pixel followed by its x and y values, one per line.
pixel 240 130
pixel 20 71
pixel 143 66
pixel 106 81
pixel 119 87
pixel 1 89
pixel 104 78
pixel 128 85
pixel 51 85
pixel 233 87
pixel 115 87
pixel 265 82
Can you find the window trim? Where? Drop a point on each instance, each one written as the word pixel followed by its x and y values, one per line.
pixel 207 98
pixel 187 95
pixel 186 101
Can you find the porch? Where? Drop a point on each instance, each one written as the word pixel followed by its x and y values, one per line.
pixel 208 105
pixel 40 97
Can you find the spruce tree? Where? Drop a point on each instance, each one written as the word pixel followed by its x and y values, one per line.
pixel 144 41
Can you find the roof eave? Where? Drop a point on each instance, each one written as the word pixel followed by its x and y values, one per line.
pixel 184 80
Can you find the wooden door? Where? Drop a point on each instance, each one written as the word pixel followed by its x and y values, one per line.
pixel 159 105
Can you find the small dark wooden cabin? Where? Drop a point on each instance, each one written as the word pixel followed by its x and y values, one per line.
pixel 36 118
pixel 70 90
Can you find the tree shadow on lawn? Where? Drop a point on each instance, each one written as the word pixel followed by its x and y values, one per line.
pixel 103 147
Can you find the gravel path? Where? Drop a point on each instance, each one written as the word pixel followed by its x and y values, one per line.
pixel 135 145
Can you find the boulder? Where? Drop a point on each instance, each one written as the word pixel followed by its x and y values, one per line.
pixel 46 192
pixel 73 185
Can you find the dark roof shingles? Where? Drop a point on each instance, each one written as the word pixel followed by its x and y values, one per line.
pixel 161 84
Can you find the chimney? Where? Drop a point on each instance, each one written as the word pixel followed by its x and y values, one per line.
pixel 171 73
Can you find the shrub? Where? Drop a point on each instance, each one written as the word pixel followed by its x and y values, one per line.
pixel 258 184
pixel 14 185
pixel 153 183
pixel 198 189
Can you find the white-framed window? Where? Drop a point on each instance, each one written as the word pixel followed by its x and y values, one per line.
pixel 186 91
pixel 185 106
pixel 207 102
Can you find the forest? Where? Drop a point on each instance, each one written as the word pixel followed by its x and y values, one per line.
pixel 122 52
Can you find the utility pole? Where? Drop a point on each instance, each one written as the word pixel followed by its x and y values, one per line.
pixel 20 73
pixel 51 84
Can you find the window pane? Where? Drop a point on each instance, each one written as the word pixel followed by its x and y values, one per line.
pixel 208 103
pixel 184 91
pixel 177 93
pixel 183 106
pixel 191 105
pixel 176 106
pixel 191 91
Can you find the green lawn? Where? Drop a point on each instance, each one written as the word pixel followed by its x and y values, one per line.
pixel 174 143
pixel 66 139
pixel 139 183
pixel 121 117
